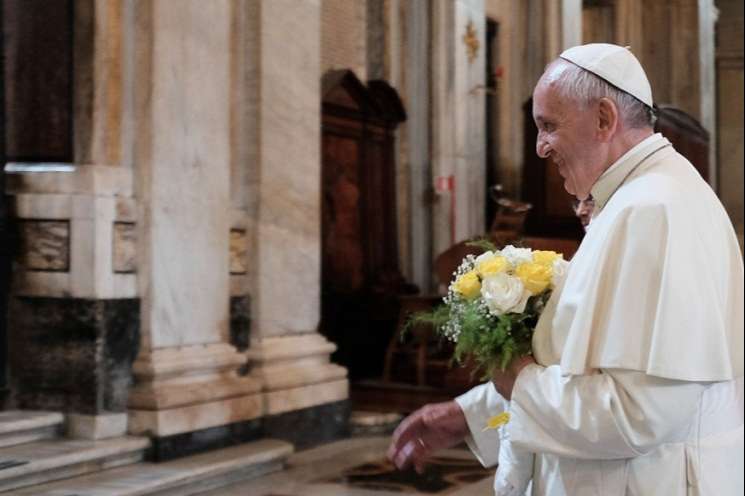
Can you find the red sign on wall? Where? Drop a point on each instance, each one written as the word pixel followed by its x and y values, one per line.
pixel 444 184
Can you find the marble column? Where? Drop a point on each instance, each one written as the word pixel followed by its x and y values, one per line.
pixel 417 80
pixel 186 372
pixel 287 355
pixel 459 102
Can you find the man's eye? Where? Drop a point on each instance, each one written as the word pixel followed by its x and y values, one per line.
pixel 548 127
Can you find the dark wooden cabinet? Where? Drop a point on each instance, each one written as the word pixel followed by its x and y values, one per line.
pixel 687 135
pixel 360 273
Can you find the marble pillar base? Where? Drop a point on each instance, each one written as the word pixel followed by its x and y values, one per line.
pixel 183 390
pixel 310 427
pixel 96 427
pixel 166 448
pixel 296 373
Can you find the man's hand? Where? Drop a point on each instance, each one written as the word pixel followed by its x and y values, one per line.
pixel 504 382
pixel 431 428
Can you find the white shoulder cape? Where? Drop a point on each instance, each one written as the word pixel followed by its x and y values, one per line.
pixel 656 285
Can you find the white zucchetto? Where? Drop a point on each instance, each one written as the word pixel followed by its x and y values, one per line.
pixel 615 64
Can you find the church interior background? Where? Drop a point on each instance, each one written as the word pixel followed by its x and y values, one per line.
pixel 218 214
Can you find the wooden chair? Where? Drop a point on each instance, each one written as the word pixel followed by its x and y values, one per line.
pixel 410 344
pixel 420 346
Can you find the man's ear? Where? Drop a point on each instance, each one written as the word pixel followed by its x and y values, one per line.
pixel 608 116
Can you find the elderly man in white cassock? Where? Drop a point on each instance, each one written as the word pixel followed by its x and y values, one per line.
pixel 635 386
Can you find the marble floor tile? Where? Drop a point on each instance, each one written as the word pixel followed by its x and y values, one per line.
pixel 357 467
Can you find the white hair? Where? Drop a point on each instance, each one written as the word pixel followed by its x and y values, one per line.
pixel 584 87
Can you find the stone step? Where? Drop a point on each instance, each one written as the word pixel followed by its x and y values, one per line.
pixel 19 427
pixel 183 477
pixel 44 461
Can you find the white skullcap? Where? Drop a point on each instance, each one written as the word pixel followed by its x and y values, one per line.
pixel 615 64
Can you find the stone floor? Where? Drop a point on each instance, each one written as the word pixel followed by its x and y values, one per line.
pixel 357 467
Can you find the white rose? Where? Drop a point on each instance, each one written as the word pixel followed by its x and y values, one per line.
pixel 503 293
pixel 559 269
pixel 516 256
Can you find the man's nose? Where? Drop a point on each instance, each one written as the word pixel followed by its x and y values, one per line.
pixel 541 147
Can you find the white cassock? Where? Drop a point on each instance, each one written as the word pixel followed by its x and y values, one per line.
pixel 639 384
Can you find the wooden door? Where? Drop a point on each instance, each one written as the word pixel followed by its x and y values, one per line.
pixel 359 262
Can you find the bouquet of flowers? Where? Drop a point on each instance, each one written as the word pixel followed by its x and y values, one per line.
pixel 493 304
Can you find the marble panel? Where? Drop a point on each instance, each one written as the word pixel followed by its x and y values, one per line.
pixel 45 245
pixel 89 273
pixel 238 251
pixel 124 247
pixel 240 321
pixel 83 352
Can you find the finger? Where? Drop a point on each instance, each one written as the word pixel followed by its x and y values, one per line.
pixel 404 456
pixel 413 452
pixel 420 457
pixel 408 430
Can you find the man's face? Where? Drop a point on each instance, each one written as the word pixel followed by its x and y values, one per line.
pixel 583 209
pixel 566 133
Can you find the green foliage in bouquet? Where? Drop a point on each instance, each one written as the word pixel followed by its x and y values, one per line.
pixel 490 342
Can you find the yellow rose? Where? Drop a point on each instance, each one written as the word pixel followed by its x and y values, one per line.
pixel 468 285
pixel 535 277
pixel 491 266
pixel 545 257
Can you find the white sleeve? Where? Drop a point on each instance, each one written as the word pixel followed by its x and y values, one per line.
pixel 515 469
pixel 479 405
pixel 607 415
